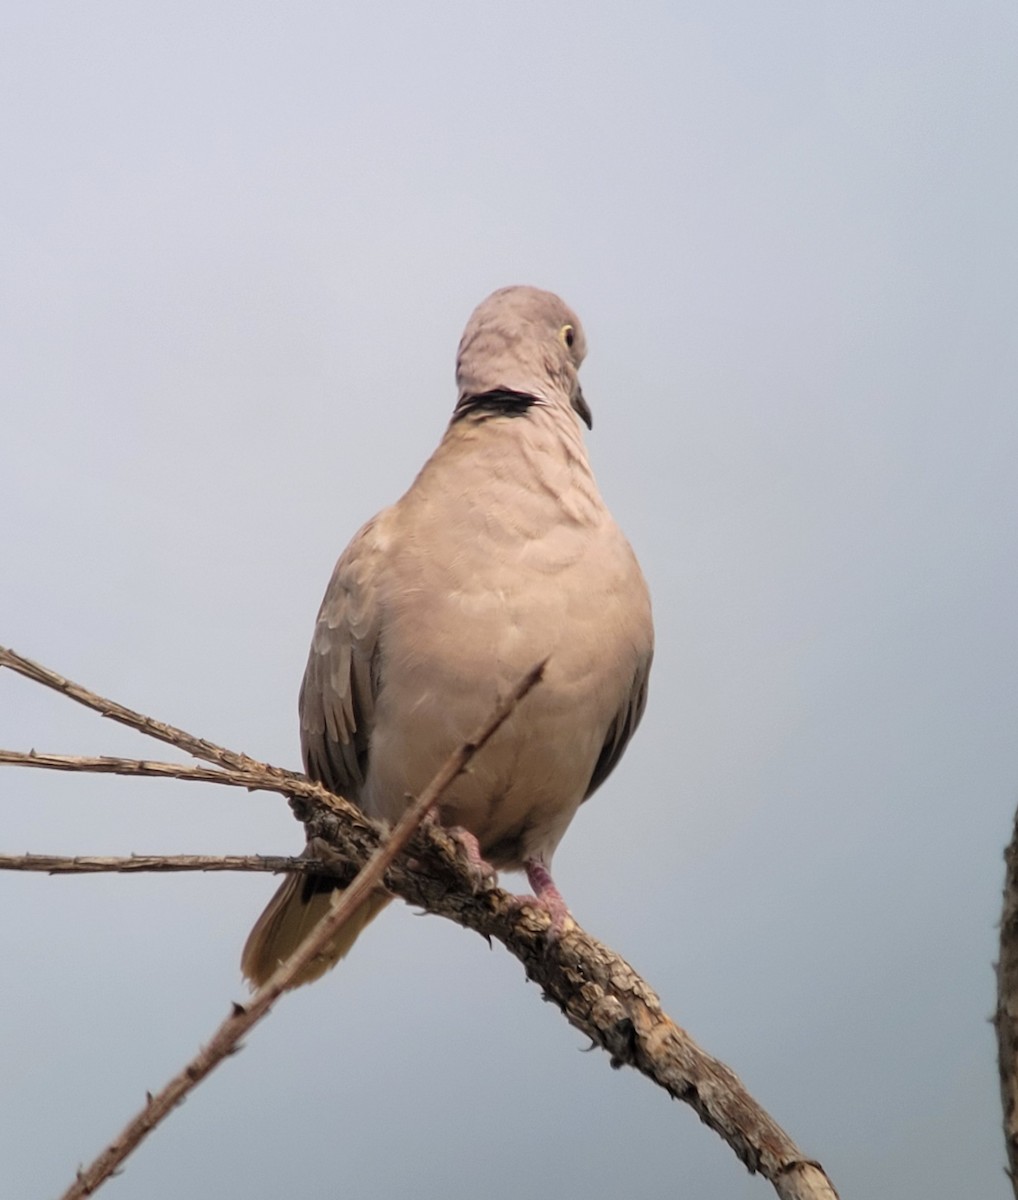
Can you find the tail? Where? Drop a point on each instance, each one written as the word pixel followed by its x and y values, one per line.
pixel 295 909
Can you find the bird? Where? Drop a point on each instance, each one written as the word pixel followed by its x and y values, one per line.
pixel 501 554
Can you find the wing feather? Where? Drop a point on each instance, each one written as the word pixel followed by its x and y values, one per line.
pixel 621 729
pixel 337 695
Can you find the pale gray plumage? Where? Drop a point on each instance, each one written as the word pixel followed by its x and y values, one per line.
pixel 501 554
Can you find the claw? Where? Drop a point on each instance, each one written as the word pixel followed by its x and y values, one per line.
pixel 546 898
pixel 484 875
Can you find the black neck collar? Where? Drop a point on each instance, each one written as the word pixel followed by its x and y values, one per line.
pixel 499 402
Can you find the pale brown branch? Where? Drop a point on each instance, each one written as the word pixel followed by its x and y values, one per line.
pixel 238 770
pixel 599 993
pixel 245 1016
pixel 261 780
pixel 1006 1016
pixel 198 747
pixel 94 864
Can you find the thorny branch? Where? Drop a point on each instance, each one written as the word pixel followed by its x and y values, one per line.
pixel 195 746
pixel 133 864
pixel 105 765
pixel 599 993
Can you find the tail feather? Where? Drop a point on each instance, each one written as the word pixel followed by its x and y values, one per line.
pixel 295 909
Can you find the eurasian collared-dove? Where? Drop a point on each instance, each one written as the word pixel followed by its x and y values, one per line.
pixel 501 554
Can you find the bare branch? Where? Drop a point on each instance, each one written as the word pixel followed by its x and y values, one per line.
pixel 238 770
pixel 195 746
pixel 106 765
pixel 244 1017
pixel 1006 1017
pixel 94 864
pixel 599 993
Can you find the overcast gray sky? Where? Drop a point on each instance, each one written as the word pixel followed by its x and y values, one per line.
pixel 239 246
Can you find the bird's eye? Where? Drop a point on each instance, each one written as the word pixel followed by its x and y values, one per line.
pixel 568 335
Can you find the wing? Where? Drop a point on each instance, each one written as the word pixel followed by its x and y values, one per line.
pixel 622 728
pixel 337 696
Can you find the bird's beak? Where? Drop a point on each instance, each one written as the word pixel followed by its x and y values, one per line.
pixel 582 408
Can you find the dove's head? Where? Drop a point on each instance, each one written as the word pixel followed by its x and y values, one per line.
pixel 526 342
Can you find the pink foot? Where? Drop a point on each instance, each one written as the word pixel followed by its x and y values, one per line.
pixel 484 874
pixel 546 897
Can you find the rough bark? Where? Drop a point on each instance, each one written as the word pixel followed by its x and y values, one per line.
pixel 1006 1017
